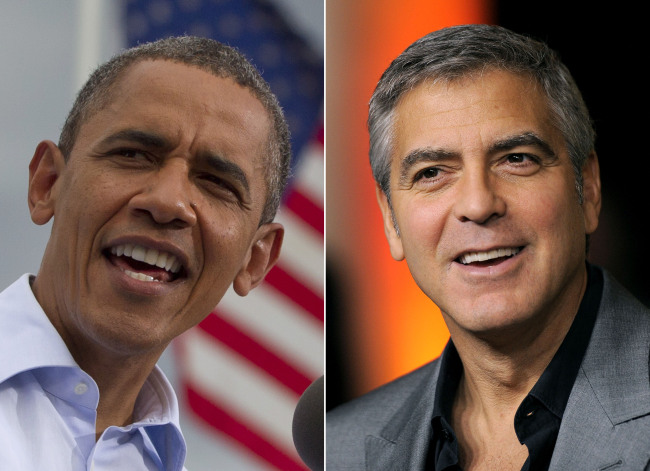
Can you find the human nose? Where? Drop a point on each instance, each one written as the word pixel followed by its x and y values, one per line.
pixel 477 198
pixel 166 197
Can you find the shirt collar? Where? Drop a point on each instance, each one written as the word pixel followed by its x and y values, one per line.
pixel 157 401
pixel 156 416
pixel 451 369
pixel 554 386
pixel 29 338
pixel 31 342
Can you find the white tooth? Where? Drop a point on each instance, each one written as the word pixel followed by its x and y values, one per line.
pixel 151 256
pixel 162 260
pixel 171 260
pixel 469 258
pixel 138 253
pixel 139 276
pixel 483 256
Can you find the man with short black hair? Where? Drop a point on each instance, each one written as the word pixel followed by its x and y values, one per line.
pixel 163 190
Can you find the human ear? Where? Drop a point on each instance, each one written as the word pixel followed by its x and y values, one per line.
pixel 394 240
pixel 262 255
pixel 591 193
pixel 44 170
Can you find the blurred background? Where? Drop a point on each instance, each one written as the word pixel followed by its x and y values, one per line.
pixel 240 373
pixel 379 324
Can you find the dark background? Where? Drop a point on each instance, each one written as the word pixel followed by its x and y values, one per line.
pixel 605 49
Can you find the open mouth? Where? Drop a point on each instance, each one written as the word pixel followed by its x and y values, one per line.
pixel 488 258
pixel 145 264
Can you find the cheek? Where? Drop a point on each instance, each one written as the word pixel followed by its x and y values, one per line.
pixel 225 242
pixel 557 216
pixel 422 226
pixel 100 193
pixel 83 205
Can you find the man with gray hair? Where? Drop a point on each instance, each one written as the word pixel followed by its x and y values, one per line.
pixel 163 189
pixel 483 154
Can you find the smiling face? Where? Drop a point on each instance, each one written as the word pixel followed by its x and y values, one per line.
pixel 156 211
pixel 484 196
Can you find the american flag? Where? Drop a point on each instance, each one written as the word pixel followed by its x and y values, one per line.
pixel 243 369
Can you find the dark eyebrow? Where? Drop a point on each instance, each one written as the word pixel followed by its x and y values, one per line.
pixel 429 154
pixel 148 139
pixel 223 166
pixel 152 140
pixel 426 154
pixel 525 139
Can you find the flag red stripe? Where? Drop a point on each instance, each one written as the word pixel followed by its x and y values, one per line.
pixel 296 292
pixel 310 212
pixel 218 418
pixel 260 356
pixel 320 135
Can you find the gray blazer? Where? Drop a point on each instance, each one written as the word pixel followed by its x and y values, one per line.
pixel 606 424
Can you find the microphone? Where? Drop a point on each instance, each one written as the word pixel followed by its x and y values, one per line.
pixel 308 425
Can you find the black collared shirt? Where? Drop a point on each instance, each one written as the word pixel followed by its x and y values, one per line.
pixel 537 420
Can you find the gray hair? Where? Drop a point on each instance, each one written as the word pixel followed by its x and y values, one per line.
pixel 460 51
pixel 206 54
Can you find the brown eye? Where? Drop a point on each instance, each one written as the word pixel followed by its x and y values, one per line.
pixel 428 173
pixel 221 186
pixel 131 153
pixel 520 158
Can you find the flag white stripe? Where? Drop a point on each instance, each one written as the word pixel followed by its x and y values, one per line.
pixel 225 378
pixel 279 325
pixel 309 174
pixel 302 255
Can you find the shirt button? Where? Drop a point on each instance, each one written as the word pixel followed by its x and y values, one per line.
pixel 80 388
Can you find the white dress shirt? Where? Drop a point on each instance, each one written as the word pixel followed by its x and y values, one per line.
pixel 48 405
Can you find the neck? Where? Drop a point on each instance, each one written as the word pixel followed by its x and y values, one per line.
pixel 118 370
pixel 500 368
pixel 493 384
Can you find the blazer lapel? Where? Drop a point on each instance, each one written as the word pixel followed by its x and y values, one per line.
pixel 404 442
pixel 606 424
